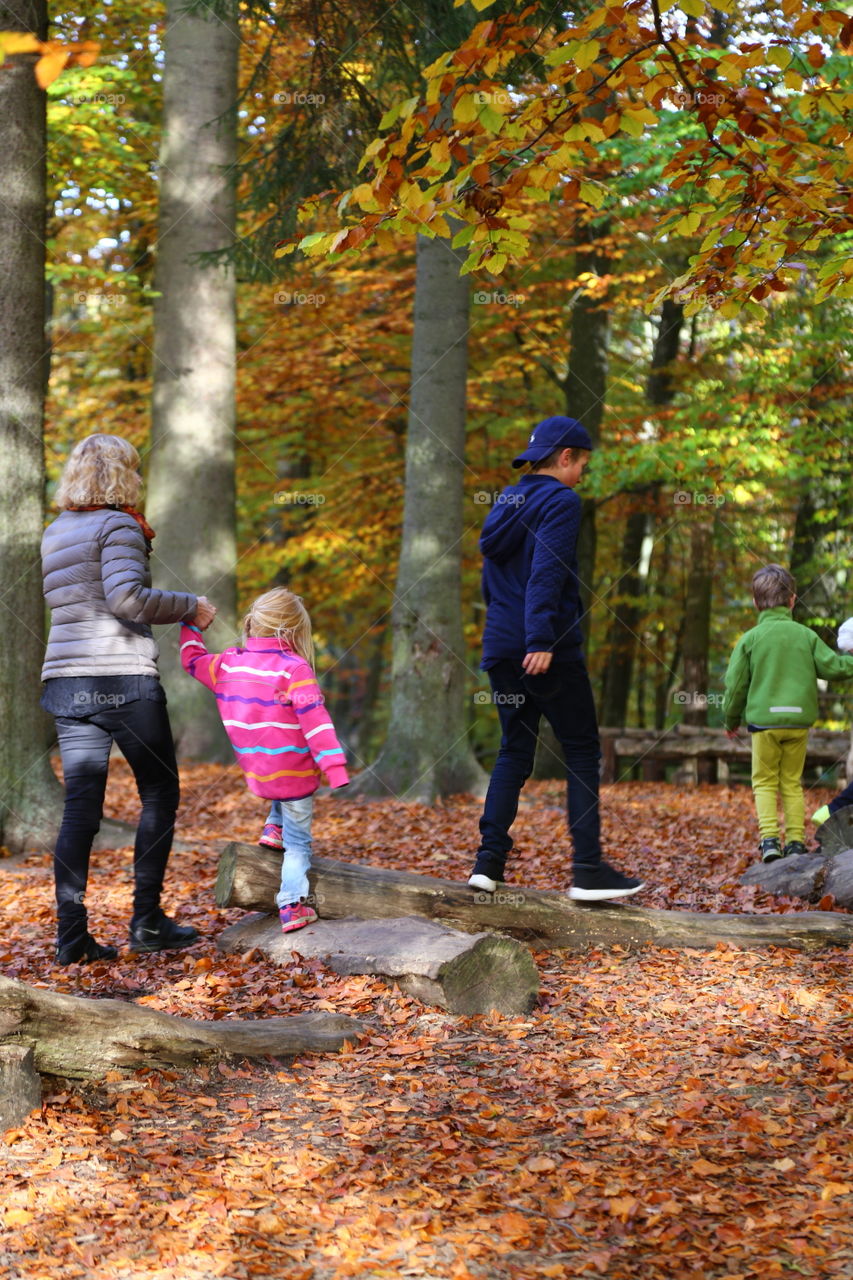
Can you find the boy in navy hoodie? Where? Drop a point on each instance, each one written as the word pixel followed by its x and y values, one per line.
pixel 532 653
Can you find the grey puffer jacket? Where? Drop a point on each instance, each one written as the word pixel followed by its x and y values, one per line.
pixel 97 583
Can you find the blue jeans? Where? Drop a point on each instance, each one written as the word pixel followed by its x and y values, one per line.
pixel 294 818
pixel 142 732
pixel 562 695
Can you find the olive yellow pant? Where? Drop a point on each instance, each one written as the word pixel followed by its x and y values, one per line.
pixel 778 757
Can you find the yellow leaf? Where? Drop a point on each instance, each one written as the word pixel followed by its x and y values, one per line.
pixel 465 109
pixel 631 125
pixel 592 194
pixel 695 8
pixel 586 55
pixel 17 42
pixel 17 1217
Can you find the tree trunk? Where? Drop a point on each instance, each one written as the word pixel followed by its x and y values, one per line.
pixel 586 389
pixel 426 752
pixel 30 797
pixel 86 1038
pixel 624 600
pixel 464 973
pixel 697 621
pixel 249 878
pixel 191 478
pixel 631 585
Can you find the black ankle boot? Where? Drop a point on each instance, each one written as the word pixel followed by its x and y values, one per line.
pixel 83 950
pixel 156 932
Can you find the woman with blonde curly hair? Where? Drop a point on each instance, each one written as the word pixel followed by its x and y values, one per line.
pixel 102 686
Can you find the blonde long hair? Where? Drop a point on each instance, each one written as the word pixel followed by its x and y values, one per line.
pixel 282 614
pixel 100 469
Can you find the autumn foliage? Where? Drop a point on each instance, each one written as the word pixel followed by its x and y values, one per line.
pixel 660 1115
pixel 748 108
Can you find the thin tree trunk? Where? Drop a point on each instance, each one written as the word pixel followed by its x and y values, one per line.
pixel 30 797
pixel 697 621
pixel 622 633
pixel 427 753
pixel 586 390
pixel 627 607
pixel 191 478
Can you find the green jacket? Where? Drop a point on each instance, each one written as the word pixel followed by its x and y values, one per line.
pixel 772 676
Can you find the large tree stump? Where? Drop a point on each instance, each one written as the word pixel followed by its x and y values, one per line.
pixel 249 878
pixel 83 1039
pixel 462 972
pixel 20 1085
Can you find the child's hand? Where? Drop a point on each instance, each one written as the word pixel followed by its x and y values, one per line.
pixel 733 734
pixel 536 664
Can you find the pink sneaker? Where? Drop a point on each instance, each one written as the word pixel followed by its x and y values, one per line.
pixel 271 837
pixel 296 916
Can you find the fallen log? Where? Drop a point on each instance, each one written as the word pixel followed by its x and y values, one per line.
pixel 808 876
pixel 83 1039
pixel 249 878
pixel 20 1085
pixel 462 972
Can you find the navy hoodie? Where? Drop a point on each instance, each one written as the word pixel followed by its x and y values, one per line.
pixel 530 571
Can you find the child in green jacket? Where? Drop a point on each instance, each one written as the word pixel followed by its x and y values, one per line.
pixel 771 685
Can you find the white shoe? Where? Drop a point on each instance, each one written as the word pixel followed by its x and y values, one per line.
pixel 483 882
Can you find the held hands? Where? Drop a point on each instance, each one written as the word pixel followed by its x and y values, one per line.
pixel 536 664
pixel 204 614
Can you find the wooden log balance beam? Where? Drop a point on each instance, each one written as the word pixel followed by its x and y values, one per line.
pixel 249 878
pixel 82 1039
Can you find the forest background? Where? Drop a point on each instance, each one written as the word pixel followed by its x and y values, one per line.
pixel 723 438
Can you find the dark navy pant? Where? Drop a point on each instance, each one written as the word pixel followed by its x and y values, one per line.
pixel 142 732
pixel 562 695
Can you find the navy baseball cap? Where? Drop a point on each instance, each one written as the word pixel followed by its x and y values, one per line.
pixel 553 433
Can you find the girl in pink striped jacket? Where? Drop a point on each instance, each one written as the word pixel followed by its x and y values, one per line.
pixel 275 716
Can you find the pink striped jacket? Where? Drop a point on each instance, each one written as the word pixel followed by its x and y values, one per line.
pixel 273 712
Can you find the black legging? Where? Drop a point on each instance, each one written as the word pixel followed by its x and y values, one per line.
pixel 143 734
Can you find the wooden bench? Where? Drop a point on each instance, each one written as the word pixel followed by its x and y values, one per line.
pixel 703 754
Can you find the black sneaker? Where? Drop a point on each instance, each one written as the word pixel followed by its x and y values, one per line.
pixel 770 849
pixel 156 932
pixel 83 950
pixel 793 848
pixel 594 883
